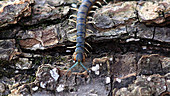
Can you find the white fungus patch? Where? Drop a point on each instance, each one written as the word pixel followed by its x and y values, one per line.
pixel 97 72
pixel 35 88
pixel 37 46
pixel 74 5
pixel 149 78
pixel 100 64
pixel 96 69
pixel 54 74
pixel 168 81
pixel 50 80
pixel 164 87
pixel 111 59
pixel 124 89
pixel 132 39
pixel 18 66
pixel 144 47
pixel 118 80
pixel 42 85
pixel 66 9
pixel 60 88
pixel 107 80
pixel 16 71
pixel 68 51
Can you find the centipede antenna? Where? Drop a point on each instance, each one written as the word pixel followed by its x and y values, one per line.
pixel 73 16
pixel 75 9
pixel 95 7
pixel 86 49
pixel 98 3
pixel 75 65
pixel 71 20
pixel 88 45
pixel 72 30
pixel 89 30
pixel 90 22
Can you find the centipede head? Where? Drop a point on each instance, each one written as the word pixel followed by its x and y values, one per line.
pixel 79 57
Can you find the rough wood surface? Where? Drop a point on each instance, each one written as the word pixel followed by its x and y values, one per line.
pixel 130 53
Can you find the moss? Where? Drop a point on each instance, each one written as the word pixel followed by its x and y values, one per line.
pixel 5 95
pixel 5 69
pixel 4 63
pixel 52 59
pixel 31 79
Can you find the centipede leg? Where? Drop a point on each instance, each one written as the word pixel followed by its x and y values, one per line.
pixel 88 45
pixel 74 9
pixel 99 3
pixel 72 30
pixel 105 1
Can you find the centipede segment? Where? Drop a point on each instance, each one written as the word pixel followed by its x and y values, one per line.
pixel 84 9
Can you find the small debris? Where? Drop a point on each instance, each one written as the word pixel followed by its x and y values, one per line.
pixel 23 63
pixel 60 88
pixel 16 71
pixel 66 9
pixel 144 47
pixel 97 72
pixel 107 80
pixel 74 5
pixel 100 64
pixel 68 51
pixel 111 59
pixel 118 80
pixel 35 88
pixel 149 78
pixel 54 74
pixel 96 69
pixel 92 91
pixel 124 89
pixel 164 87
pixel 42 85
pixel 37 46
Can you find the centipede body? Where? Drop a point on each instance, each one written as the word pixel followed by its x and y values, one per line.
pixel 84 9
pixel 81 28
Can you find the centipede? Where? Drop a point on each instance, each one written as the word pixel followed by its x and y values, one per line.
pixel 81 21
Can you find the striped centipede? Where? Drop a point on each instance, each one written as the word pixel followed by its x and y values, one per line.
pixel 83 11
